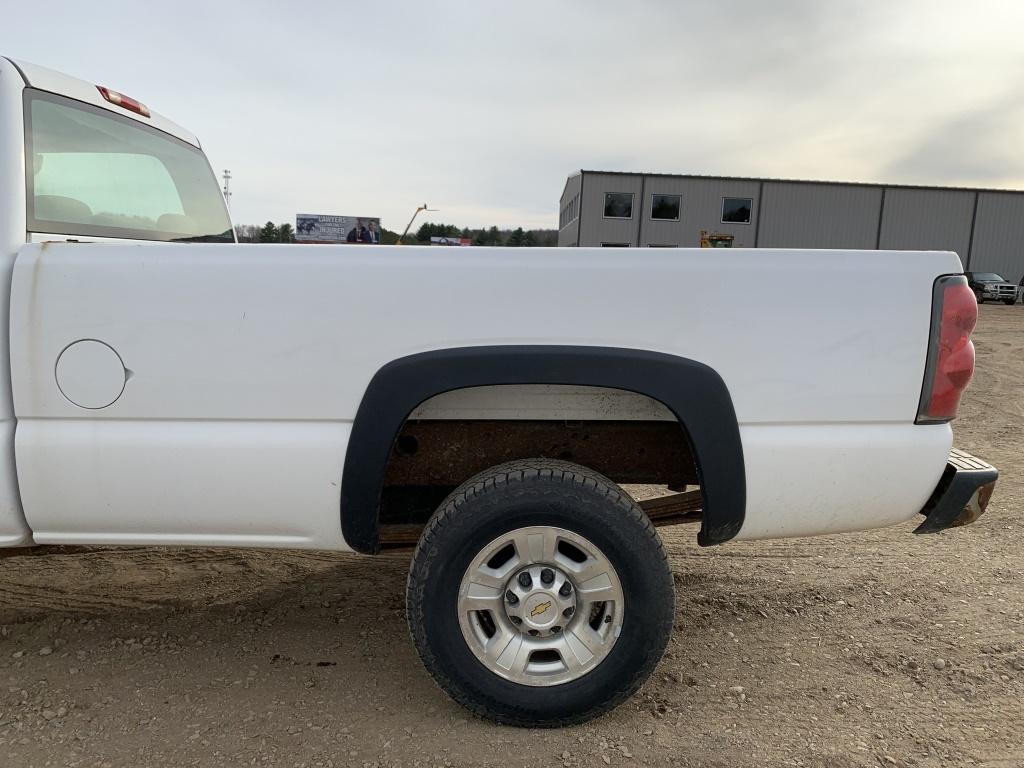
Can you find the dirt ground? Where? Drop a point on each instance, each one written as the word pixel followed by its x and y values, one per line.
pixel 878 649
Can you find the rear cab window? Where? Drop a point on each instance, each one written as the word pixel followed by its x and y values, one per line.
pixel 91 172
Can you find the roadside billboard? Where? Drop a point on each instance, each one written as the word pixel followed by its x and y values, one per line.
pixel 327 228
pixel 450 240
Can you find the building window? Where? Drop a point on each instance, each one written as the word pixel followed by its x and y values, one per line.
pixel 665 207
pixel 615 245
pixel 568 213
pixel 661 245
pixel 618 205
pixel 736 210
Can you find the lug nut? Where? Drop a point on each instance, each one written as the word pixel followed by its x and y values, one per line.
pixel 568 612
pixel 516 620
pixel 511 597
pixel 555 629
pixel 524 580
pixel 547 576
pixel 565 589
pixel 534 633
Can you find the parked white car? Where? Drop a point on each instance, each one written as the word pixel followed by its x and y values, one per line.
pixel 168 386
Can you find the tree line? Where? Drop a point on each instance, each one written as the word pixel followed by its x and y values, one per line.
pixel 268 233
pixel 515 238
pixel 491 236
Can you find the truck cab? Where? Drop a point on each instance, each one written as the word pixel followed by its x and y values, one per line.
pixel 84 162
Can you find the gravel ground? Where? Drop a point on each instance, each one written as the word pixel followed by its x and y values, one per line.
pixel 877 649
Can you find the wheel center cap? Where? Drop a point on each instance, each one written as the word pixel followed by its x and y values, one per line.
pixel 540 610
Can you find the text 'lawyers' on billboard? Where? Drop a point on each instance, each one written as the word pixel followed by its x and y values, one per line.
pixel 326 228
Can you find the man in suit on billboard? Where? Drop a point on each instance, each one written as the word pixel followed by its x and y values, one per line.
pixel 358 233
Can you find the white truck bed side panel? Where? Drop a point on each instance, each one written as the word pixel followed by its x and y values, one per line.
pixel 281 336
pixel 296 332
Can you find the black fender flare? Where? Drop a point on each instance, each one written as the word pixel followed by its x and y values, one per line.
pixel 694 392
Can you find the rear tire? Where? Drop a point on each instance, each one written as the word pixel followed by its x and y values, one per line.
pixel 476 584
pixel 1010 302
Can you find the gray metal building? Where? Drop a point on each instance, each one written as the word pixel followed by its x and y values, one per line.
pixel 984 226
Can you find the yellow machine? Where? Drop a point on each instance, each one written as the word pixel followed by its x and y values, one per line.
pixel 715 240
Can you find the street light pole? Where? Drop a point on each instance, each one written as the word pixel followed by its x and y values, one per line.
pixel 227 188
pixel 414 215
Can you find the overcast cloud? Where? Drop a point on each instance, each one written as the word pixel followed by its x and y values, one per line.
pixel 483 109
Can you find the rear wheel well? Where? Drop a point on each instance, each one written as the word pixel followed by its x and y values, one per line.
pixel 693 392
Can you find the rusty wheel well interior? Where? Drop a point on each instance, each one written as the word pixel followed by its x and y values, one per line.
pixel 430 458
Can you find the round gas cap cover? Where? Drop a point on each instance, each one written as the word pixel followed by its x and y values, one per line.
pixel 91 374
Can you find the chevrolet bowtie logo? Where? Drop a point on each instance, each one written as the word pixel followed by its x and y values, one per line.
pixel 539 608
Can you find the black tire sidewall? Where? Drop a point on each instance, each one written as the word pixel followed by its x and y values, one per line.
pixel 586 510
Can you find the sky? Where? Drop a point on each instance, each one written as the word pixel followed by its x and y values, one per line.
pixel 482 110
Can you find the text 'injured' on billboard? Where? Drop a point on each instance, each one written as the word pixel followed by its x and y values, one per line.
pixel 325 228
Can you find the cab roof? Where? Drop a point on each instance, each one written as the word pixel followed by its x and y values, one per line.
pixel 64 85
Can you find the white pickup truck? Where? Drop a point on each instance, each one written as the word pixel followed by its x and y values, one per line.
pixel 168 386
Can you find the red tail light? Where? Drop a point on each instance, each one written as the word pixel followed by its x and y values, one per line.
pixel 125 102
pixel 950 349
